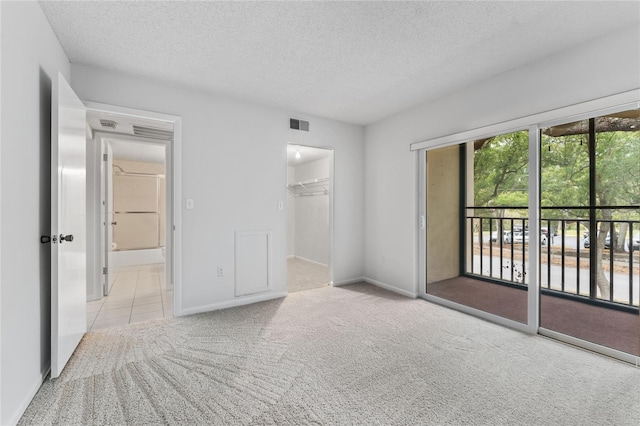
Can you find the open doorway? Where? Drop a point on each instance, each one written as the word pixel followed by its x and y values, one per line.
pixel 129 175
pixel 309 217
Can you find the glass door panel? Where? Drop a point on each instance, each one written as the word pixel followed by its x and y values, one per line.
pixel 493 230
pixel 590 193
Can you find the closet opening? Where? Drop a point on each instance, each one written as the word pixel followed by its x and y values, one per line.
pixel 309 217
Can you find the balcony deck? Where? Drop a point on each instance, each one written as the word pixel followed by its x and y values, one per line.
pixel 597 324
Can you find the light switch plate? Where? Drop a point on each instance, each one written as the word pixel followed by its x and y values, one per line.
pixel 189 203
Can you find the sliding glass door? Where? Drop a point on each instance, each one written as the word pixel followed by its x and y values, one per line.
pixel 584 269
pixel 590 203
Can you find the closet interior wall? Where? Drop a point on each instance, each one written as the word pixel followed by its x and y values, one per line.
pixel 310 218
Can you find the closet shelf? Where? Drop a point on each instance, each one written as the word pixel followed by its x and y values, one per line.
pixel 309 188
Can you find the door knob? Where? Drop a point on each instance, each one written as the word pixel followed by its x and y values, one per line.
pixel 64 238
pixel 114 223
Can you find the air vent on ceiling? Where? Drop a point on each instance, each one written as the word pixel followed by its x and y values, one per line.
pixel 296 124
pixel 153 132
pixel 108 123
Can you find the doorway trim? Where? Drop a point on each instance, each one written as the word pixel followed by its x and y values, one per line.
pixel 173 163
pixel 332 154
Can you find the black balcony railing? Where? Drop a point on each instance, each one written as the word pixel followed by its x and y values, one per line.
pixel 497 249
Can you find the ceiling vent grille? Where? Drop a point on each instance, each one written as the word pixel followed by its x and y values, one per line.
pixel 153 133
pixel 110 124
pixel 296 124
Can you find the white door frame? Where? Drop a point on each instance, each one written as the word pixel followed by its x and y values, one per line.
pixel 104 138
pixel 420 287
pixel 331 201
pixel 173 172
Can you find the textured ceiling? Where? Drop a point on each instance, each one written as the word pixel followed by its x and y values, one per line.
pixel 356 62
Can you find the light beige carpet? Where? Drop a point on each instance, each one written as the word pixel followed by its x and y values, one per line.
pixel 349 355
pixel 303 275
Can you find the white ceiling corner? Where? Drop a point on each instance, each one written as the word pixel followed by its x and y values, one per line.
pixel 356 62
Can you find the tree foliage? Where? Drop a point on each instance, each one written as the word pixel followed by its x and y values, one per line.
pixel 500 171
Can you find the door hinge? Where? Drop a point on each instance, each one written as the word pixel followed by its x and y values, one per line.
pixel 105 271
pixel 104 157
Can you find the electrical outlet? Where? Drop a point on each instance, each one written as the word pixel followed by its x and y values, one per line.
pixel 220 271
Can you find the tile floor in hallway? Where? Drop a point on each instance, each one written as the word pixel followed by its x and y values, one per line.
pixel 138 294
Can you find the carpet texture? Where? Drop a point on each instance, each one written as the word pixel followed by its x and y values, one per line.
pixel 349 355
pixel 303 275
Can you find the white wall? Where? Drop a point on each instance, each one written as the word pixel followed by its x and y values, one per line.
pixel 234 166
pixel 312 229
pixel 603 67
pixel 31 58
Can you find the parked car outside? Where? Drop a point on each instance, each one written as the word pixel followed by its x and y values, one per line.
pixel 519 237
pixel 544 238
pixel 587 242
pixel 545 231
pixel 505 234
pixel 636 242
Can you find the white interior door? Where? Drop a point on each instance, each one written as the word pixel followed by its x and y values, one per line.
pixel 68 224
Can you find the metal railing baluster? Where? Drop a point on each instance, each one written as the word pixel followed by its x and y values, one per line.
pixel 500 235
pixel 630 263
pixel 511 244
pixel 563 243
pixel 481 247
pixel 577 257
pixel 472 242
pixel 612 236
pixel 491 247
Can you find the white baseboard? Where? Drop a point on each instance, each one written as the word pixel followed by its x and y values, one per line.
pixel 124 258
pixel 291 256
pixel 304 259
pixel 32 392
pixel 347 282
pixel 389 287
pixel 233 303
